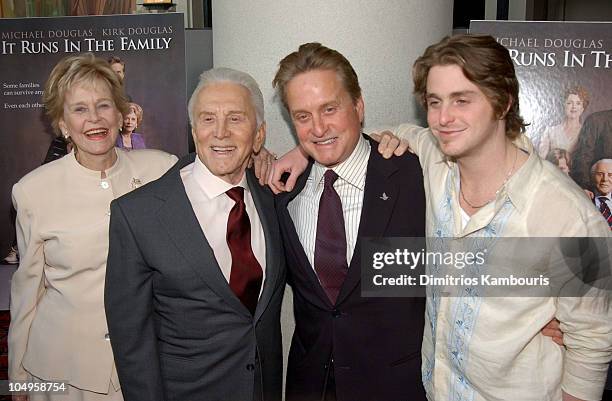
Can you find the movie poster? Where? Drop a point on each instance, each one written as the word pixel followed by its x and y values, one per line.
pixel 153 50
pixel 565 75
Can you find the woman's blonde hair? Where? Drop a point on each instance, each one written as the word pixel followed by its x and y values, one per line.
pixel 136 109
pixel 77 69
pixel 581 92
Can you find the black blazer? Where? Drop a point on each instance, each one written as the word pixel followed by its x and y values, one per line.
pixel 375 342
pixel 177 330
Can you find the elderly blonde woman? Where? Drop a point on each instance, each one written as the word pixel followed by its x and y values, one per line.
pixel 58 329
pixel 132 120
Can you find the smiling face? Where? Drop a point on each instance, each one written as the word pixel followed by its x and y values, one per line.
pixel 602 178
pixel 225 129
pixel 92 121
pixel 459 114
pixel 574 106
pixel 326 119
pixel 130 122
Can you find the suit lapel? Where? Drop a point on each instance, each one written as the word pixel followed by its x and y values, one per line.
pixel 294 241
pixel 264 203
pixel 381 190
pixel 178 219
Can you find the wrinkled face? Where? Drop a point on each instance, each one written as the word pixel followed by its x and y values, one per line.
pixel 573 106
pixel 326 119
pixel 602 178
pixel 92 120
pixel 225 129
pixel 119 70
pixel 459 114
pixel 130 122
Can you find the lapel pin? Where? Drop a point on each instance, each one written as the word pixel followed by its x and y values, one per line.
pixel 384 196
pixel 136 183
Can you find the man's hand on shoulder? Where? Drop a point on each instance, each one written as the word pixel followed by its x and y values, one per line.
pixel 389 144
pixel 262 163
pixel 553 330
pixel 294 163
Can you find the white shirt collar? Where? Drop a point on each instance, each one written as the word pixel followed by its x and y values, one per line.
pixel 352 170
pixel 608 197
pixel 211 185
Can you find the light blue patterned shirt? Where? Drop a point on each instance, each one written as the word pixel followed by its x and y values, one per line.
pixel 490 348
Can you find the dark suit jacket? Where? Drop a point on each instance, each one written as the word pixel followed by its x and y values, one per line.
pixel 375 342
pixel 177 330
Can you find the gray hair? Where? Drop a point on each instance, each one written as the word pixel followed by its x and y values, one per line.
pixel 217 75
pixel 600 161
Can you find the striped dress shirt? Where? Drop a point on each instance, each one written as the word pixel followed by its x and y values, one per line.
pixel 304 208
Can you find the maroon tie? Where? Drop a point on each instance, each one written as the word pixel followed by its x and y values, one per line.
pixel 605 210
pixel 246 275
pixel 330 245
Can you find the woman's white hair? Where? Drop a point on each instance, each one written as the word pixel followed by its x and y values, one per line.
pixel 217 75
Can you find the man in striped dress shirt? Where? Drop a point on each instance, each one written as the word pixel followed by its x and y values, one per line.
pixel 345 347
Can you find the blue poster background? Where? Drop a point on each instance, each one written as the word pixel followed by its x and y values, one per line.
pixel 153 48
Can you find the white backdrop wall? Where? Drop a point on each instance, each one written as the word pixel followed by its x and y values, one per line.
pixel 381 39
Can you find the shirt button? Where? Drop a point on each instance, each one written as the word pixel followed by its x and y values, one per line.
pixel 104 184
pixel 107 337
pixel 108 213
pixel 336 313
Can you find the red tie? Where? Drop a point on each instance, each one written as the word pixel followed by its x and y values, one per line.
pixel 605 210
pixel 246 275
pixel 330 245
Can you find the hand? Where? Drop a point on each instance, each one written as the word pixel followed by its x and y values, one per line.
pixel 389 144
pixel 262 161
pixel 590 194
pixel 569 397
pixel 293 162
pixel 19 398
pixel 553 330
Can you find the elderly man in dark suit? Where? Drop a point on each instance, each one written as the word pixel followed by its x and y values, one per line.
pixel 601 177
pixel 345 347
pixel 195 268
